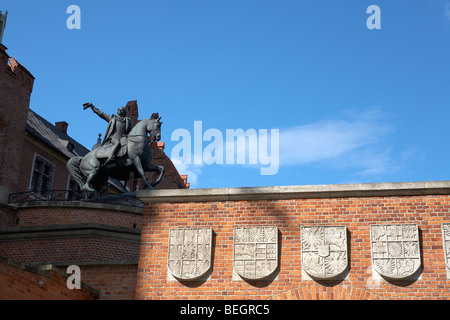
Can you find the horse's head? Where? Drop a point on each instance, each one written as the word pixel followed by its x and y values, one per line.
pixel 154 128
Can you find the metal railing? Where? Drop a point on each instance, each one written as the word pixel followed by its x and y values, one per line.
pixel 72 195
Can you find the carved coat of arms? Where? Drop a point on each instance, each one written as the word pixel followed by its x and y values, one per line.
pixel 255 253
pixel 395 249
pixel 446 240
pixel 189 252
pixel 324 251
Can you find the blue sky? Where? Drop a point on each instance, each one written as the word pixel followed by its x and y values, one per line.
pixel 352 105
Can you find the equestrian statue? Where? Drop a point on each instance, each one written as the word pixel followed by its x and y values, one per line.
pixel 124 149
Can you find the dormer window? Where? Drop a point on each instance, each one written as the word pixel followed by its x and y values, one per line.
pixel 70 146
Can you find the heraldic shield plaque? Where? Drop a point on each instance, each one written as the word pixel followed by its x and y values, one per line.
pixel 446 239
pixel 395 249
pixel 324 251
pixel 190 252
pixel 255 255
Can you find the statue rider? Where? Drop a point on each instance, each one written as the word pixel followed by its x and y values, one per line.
pixel 118 128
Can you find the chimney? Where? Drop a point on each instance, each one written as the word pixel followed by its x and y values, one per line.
pixel 132 111
pixel 62 126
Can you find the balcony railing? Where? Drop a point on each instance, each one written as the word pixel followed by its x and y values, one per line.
pixel 71 195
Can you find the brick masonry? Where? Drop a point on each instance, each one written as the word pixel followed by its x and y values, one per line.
pixel 17 84
pixel 114 282
pixel 22 282
pixel 102 239
pixel 353 206
pixel 60 213
pixel 8 216
pixel 122 252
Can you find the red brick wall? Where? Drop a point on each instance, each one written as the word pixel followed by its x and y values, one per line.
pixel 114 282
pixel 44 214
pixel 18 283
pixel 48 215
pixel 356 213
pixel 7 217
pixel 76 249
pixel 15 90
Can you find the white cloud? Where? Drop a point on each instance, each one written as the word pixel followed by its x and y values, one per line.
pixel 447 11
pixel 354 141
pixel 193 171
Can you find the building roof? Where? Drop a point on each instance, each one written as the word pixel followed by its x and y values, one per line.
pixel 52 136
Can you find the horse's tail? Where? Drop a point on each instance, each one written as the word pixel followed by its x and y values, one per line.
pixel 73 165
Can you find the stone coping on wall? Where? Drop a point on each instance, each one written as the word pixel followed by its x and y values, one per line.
pixel 70 231
pixel 297 192
pixel 86 263
pixel 77 204
pixel 44 270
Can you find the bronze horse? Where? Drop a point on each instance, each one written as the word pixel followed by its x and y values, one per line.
pixel 89 170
